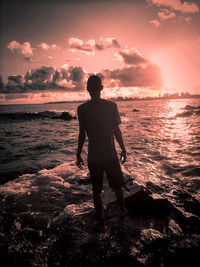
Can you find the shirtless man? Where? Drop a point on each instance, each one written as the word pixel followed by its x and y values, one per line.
pixel 99 119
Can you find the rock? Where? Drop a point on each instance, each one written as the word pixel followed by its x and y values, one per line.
pixel 143 203
pixel 192 205
pixel 135 110
pixel 30 234
pixel 67 116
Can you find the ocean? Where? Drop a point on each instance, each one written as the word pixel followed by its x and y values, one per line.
pixel 38 173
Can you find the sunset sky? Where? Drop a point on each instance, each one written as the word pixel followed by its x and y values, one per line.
pixel 138 47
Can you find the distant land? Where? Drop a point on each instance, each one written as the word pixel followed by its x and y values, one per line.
pixel 120 98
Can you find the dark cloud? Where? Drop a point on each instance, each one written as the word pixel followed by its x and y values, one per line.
pixel 40 76
pixel 131 57
pixel 46 78
pixel 76 74
pixel 15 84
pixel 135 76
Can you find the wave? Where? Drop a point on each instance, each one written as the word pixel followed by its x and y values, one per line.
pixel 189 107
pixel 190 110
pixel 24 116
pixel 188 170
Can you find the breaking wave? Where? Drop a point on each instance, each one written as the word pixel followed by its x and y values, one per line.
pixel 190 110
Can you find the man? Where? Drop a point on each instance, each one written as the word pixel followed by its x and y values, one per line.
pixel 99 119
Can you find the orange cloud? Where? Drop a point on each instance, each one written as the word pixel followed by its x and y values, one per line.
pixel 45 46
pixel 165 14
pixel 24 48
pixel 134 76
pixel 184 7
pixel 155 22
pixel 90 46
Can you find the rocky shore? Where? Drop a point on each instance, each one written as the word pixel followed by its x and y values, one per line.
pixel 155 231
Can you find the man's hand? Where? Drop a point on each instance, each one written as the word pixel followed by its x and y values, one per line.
pixel 79 161
pixel 123 156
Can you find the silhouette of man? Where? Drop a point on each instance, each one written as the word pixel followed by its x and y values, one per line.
pixel 99 119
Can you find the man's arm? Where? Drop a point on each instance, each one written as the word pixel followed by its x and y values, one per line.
pixel 81 140
pixel 119 138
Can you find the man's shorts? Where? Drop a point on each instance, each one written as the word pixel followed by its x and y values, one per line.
pixel 113 172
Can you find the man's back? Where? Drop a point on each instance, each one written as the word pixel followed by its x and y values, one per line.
pixel 99 118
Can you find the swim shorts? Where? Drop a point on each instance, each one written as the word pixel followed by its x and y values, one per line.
pixel 113 172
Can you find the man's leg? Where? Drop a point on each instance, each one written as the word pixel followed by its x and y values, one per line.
pixel 96 174
pixel 120 198
pixel 98 206
pixel 116 181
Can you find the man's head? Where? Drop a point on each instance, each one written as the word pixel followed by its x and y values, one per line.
pixel 94 85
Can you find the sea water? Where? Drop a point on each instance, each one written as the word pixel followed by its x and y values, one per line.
pixel 38 173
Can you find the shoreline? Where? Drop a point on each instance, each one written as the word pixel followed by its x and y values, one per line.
pixel 112 99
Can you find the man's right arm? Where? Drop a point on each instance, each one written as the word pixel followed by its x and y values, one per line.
pixel 81 140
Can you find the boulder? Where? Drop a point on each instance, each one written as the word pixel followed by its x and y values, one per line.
pixel 67 116
pixel 143 203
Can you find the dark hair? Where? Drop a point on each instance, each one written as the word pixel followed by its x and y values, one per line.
pixel 94 82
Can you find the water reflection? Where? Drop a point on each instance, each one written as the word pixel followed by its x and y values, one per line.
pixel 161 144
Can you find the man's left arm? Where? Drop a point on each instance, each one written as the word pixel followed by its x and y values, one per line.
pixel 118 133
pixel 119 138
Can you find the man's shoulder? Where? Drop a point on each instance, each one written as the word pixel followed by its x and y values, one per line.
pixel 108 102
pixel 83 106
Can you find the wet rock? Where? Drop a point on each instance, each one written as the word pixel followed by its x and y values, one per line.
pixel 67 116
pixel 30 234
pixel 150 235
pixel 135 110
pixel 143 203
pixel 182 194
pixel 188 222
pixel 192 205
pixel 36 220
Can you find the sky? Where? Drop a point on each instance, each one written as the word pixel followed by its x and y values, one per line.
pixel 139 48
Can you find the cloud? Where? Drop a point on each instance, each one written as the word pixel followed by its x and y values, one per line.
pixel 15 84
pixel 177 5
pixel 136 72
pixel 39 78
pixel 155 22
pixel 25 48
pixel 45 46
pixel 170 9
pixel 108 42
pixel 188 19
pixel 165 14
pixel 66 78
pixel 130 56
pixel 134 76
pixel 91 46
pixel 78 44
